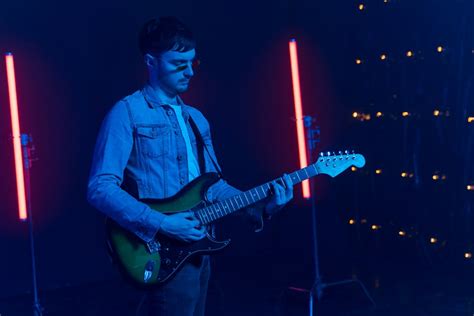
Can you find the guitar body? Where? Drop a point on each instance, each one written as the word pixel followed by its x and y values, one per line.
pixel 154 263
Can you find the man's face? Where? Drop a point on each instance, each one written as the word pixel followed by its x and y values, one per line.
pixel 175 70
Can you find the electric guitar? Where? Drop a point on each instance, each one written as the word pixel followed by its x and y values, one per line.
pixel 155 262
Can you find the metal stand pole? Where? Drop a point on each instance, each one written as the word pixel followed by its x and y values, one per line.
pixel 27 146
pixel 317 290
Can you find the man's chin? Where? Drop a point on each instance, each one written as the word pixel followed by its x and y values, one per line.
pixel 182 89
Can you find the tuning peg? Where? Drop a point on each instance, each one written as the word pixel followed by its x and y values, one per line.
pixel 321 154
pixel 329 153
pixel 340 152
pixel 346 152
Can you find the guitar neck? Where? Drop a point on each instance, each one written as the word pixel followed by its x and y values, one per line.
pixel 228 206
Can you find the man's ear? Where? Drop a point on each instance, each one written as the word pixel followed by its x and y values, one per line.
pixel 150 60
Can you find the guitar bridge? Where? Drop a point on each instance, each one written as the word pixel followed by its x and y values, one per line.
pixel 153 246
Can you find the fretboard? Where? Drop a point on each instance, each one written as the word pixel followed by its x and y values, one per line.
pixel 223 208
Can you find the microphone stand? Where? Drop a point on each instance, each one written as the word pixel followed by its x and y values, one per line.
pixel 28 148
pixel 317 290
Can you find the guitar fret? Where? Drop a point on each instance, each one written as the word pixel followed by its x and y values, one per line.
pixel 306 171
pixel 258 196
pixel 232 204
pixel 263 191
pixel 209 213
pixel 248 195
pixel 204 213
pixel 226 206
pixel 199 216
pixel 236 203
pixel 316 170
pixel 217 210
pixel 245 199
pixel 240 197
pixel 213 213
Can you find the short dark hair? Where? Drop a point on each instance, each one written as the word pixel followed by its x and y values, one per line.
pixel 163 34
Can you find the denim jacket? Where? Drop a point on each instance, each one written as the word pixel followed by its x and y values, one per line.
pixel 140 153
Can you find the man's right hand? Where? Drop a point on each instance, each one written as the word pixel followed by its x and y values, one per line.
pixel 183 226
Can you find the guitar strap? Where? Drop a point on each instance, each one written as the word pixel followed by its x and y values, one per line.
pixel 201 143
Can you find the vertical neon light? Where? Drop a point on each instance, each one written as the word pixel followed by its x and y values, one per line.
pixel 20 180
pixel 295 76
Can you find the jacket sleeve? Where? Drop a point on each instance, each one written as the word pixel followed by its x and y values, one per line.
pixel 112 151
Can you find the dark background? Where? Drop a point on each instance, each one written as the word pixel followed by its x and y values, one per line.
pixel 75 60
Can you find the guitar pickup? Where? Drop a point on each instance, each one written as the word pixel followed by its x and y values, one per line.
pixel 153 246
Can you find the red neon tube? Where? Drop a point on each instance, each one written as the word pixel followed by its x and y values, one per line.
pixel 295 76
pixel 20 180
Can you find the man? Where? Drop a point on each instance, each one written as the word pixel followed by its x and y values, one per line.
pixel 147 148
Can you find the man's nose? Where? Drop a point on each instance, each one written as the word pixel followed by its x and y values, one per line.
pixel 189 71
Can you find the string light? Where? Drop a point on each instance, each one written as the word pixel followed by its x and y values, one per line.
pixel 378 171
pixel 361 116
pixel 436 112
pixel 405 114
pixel 468 255
pixel 409 53
pixel 375 227
pixel 379 114
pixel 383 57
pixel 433 240
pixel 437 176
pixel 440 49
pixel 361 6
pixel 358 61
pixel 402 233
pixel 470 119
pixel 363 221
pixel 470 187
pixel 354 169
pixel 351 221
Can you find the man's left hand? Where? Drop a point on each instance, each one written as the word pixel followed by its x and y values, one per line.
pixel 281 196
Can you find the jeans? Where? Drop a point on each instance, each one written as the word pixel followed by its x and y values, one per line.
pixel 185 294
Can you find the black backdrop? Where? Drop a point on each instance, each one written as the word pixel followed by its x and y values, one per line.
pixel 74 60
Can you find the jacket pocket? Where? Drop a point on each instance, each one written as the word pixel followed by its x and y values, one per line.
pixel 154 139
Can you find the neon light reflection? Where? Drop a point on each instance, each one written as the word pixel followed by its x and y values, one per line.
pixel 299 114
pixel 20 180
